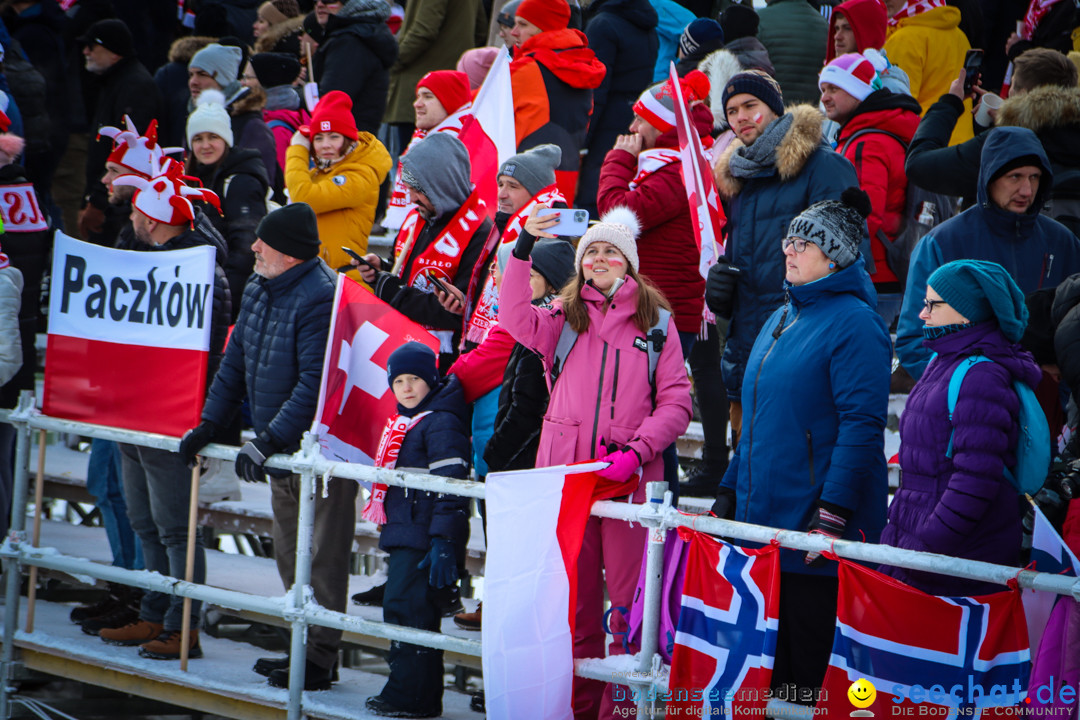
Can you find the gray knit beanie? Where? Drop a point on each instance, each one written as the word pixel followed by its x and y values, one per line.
pixel 221 62
pixel 534 168
pixel 835 226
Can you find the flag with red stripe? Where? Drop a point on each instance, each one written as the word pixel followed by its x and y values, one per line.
pixel 129 336
pixel 488 134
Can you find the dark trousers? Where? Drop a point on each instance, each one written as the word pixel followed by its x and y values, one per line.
pixel 805 637
pixel 331 545
pixel 416 672
pixel 712 401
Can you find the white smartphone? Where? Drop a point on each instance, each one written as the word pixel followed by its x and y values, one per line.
pixel 573 222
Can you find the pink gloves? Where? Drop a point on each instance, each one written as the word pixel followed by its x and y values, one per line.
pixel 624 463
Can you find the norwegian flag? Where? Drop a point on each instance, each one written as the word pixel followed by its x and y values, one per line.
pixel 726 638
pixel 708 215
pixel 951 657
pixel 355 398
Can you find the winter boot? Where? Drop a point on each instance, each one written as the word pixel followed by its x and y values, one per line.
pixel 469 620
pixel 118 618
pixel 377 706
pixel 372 596
pixel 135 633
pixel 113 601
pixel 166 646
pixel 315 677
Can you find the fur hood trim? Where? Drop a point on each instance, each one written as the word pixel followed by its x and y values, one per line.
pixel 720 67
pixel 1042 109
pixel 277 33
pixel 802 139
pixel 183 49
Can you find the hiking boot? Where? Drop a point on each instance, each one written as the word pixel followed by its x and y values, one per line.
pixel 265 666
pixel 119 596
pixel 116 619
pixel 372 597
pixel 166 646
pixel 135 633
pixel 377 706
pixel 469 620
pixel 315 677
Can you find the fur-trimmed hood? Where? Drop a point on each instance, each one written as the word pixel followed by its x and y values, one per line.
pixel 1042 109
pixel 800 142
pixel 719 66
pixel 183 49
pixel 278 33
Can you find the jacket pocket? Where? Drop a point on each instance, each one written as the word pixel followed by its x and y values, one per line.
pixel 558 441
pixel 810 455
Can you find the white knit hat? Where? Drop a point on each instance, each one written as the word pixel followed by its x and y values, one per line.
pixel 618 226
pixel 211 116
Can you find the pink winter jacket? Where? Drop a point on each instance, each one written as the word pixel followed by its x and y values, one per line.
pixel 603 391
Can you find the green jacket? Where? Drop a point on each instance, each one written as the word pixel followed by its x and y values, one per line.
pixel 795 34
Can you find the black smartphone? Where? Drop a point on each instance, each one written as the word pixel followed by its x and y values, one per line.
pixel 437 282
pixel 973 65
pixel 358 257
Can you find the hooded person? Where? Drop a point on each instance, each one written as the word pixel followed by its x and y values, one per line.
pixel 1005 227
pixel 553 76
pixel 441 239
pixel 960 503
pixel 337 170
pixel 794 32
pixel 740 24
pixel 814 402
pixel 859 25
pixel 777 166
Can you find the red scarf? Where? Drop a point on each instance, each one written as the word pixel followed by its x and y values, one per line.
pixel 486 313
pixel 1036 12
pixel 649 161
pixel 915 7
pixel 20 210
pixel 386 456
pixel 398 206
pixel 443 255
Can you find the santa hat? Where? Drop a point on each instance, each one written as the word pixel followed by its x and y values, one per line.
pixel 449 86
pixel 135 152
pixel 164 196
pixel 657 104
pixel 545 14
pixel 852 73
pixel 332 114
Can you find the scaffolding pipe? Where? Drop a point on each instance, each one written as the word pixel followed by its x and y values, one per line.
pixel 301 589
pixel 651 516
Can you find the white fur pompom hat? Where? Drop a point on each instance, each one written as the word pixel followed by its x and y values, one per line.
pixel 618 226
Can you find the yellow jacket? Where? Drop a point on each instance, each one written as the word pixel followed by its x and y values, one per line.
pixel 930 48
pixel 343 196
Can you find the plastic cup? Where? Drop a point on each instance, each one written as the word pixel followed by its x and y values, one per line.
pixel 989 102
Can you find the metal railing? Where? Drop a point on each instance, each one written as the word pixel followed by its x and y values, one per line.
pixel 297 606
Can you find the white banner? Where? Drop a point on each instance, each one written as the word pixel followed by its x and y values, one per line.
pixel 20 209
pixel 156 299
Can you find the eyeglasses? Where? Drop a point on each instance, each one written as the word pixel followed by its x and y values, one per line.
pixel 929 304
pixel 799 243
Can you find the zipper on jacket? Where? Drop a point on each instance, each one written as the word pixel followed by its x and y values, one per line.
pixel 615 383
pixel 810 455
pixel 599 398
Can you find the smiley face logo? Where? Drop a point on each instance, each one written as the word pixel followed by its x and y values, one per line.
pixel 862 693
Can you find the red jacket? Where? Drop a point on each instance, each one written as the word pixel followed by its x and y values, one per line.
pixel 879 163
pixel 667 249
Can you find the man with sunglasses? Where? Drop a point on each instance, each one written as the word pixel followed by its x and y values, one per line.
pixel 1005 226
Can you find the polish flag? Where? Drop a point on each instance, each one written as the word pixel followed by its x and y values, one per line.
pixel 535 527
pixel 129 336
pixel 355 398
pixel 488 134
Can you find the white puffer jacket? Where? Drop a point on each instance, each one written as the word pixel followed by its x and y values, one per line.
pixel 11 359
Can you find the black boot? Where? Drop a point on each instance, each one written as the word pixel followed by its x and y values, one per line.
pixel 118 597
pixel 372 597
pixel 265 666
pixel 315 677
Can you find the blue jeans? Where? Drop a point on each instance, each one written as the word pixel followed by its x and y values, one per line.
pixel 157 484
pixel 103 482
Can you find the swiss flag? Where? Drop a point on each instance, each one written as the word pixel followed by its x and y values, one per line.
pixel 355 398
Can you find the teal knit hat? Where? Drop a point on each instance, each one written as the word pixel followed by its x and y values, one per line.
pixel 981 291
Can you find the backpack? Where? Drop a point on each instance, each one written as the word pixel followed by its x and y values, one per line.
pixel 922 211
pixel 1033 440
pixel 654 341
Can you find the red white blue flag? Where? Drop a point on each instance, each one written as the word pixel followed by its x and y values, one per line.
pixel 925 655
pixel 726 638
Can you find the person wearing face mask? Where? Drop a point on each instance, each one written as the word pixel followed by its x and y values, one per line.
pixel 815 399
pixel 337 170
pixel 602 405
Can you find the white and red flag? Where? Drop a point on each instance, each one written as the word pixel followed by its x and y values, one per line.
pixel 535 527
pixel 488 134
pixel 129 336
pixel 355 398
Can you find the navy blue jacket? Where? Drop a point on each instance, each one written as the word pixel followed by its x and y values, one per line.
pixel 814 409
pixel 437 444
pixel 1038 252
pixel 275 355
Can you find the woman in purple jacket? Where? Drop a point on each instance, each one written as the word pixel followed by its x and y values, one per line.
pixel 963 505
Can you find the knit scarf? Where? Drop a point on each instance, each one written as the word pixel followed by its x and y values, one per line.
pixel 915 7
pixel 1035 13
pixel 324 164
pixel 649 161
pixel 939 331
pixel 751 160
pixel 282 97
pixel 4 262
pixel 386 457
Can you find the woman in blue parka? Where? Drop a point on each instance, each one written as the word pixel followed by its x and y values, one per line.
pixel 815 398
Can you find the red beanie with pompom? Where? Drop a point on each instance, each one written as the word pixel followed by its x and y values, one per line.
pixel 333 114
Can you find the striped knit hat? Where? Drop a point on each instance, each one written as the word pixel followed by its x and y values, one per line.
pixel 656 105
pixel 853 73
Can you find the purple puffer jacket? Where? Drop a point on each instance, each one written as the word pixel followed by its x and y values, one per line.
pixel 961 506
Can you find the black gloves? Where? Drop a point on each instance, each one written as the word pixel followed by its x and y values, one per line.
pixel 249 463
pixel 443 562
pixel 720 288
pixel 724 507
pixel 196 439
pixel 825 522
pixel 523 248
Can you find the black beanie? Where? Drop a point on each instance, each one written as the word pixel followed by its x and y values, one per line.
pixel 413 358
pixel 554 259
pixel 1022 161
pixel 275 69
pixel 291 230
pixel 739 21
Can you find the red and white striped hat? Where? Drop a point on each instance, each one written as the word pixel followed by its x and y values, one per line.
pixel 657 104
pixel 135 152
pixel 164 196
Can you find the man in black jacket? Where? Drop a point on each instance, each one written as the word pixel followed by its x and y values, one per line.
pixel 126 88
pixel 275 358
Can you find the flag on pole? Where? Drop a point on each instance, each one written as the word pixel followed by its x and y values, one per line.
pixel 488 134
pixel 535 527
pixel 705 209
pixel 129 336
pixel 354 397
pixel 726 639
pixel 1050 554
pixel 924 655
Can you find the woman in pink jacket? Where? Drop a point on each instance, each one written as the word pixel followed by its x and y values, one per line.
pixel 603 405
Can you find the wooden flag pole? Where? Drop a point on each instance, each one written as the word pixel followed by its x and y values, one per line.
pixel 189 567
